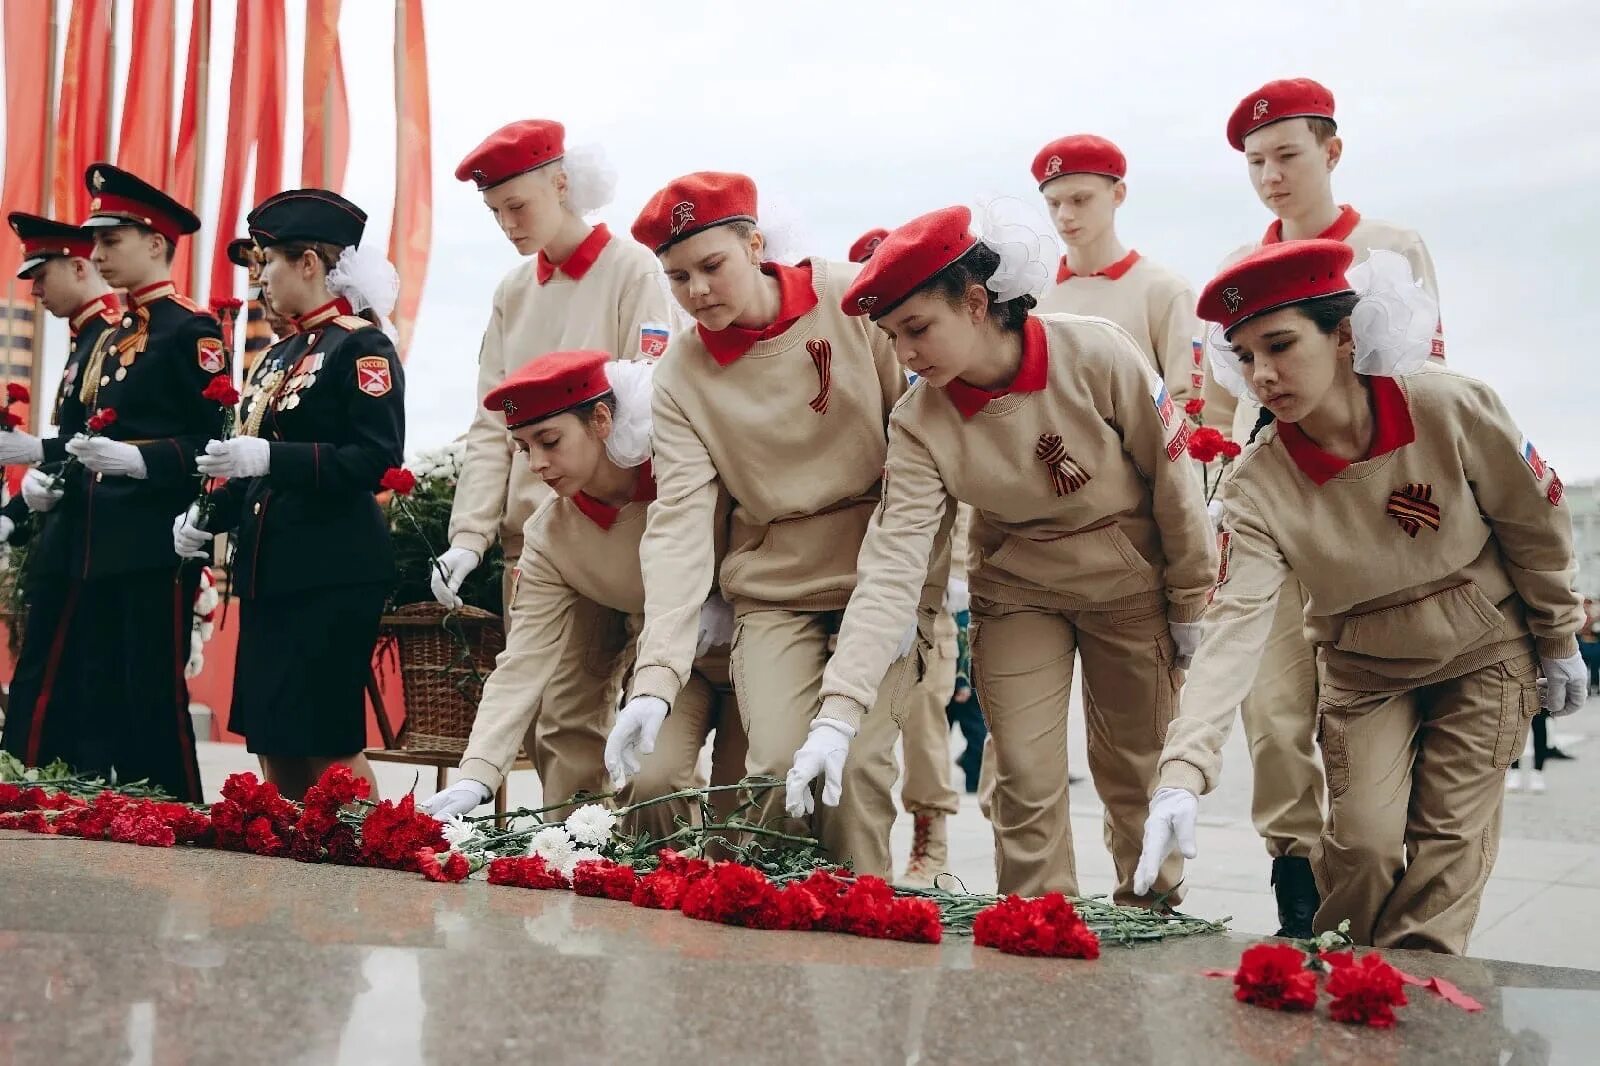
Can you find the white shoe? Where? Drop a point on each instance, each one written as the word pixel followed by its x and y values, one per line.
pixel 1534 782
pixel 1513 780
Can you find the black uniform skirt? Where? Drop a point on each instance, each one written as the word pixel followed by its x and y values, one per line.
pixel 299 682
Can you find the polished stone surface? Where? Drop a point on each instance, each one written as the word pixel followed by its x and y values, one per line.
pixel 118 954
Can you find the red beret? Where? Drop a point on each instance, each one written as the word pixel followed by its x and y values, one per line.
pixel 1275 276
pixel 692 203
pixel 550 385
pixel 1276 101
pixel 908 257
pixel 1082 153
pixel 866 244
pixel 512 150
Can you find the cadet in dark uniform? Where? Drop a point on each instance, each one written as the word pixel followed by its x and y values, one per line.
pixel 109 696
pixel 323 418
pixel 56 263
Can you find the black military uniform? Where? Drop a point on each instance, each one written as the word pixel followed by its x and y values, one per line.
pixel 109 695
pixel 313 562
pixel 44 239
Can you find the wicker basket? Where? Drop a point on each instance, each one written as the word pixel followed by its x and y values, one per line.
pixel 443 683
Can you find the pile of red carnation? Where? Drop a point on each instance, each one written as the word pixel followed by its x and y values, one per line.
pixel 1046 926
pixel 1365 991
pixel 393 834
pixel 109 816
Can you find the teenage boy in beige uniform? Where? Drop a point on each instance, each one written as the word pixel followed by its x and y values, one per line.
pixel 1438 566
pixel 1287 134
pixel 1082 180
pixel 779 399
pixel 581 287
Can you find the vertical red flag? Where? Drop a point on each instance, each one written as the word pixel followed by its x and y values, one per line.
pixel 187 173
pixel 325 149
pixel 29 53
pixel 145 144
pixel 244 107
pixel 411 235
pixel 83 116
pixel 269 45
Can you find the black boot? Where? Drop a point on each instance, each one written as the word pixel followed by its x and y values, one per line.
pixel 1297 895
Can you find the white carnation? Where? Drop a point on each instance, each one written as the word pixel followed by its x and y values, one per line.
pixel 458 831
pixel 570 864
pixel 552 845
pixel 591 824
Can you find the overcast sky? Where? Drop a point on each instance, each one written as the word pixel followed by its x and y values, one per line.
pixel 1472 122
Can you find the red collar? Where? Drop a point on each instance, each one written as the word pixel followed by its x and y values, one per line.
pixel 603 514
pixel 326 313
pixel 106 305
pixel 1032 374
pixel 1349 218
pixel 151 293
pixel 796 296
pixel 576 265
pixel 1114 271
pixel 1394 430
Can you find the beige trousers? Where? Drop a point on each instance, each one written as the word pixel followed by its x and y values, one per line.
pixel 1022 659
pixel 567 738
pixel 778 659
pixel 926 786
pixel 705 705
pixel 1416 781
pixel 1279 719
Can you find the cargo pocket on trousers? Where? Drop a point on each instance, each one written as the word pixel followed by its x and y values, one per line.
pixel 1519 702
pixel 1335 751
pixel 1168 683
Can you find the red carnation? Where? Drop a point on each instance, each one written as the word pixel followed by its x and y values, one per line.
pixel 27 822
pixel 1205 443
pixel 604 879
pixel 732 894
pixel 1275 976
pixel 102 420
pixel 660 890
pixel 1365 991
pixel 1230 450
pixel 1047 926
pixel 798 908
pixel 915 920
pixel 1194 406
pixel 393 833
pixel 17 393
pixel 530 872
pixel 399 479
pixel 220 391
pixel 11 418
pixel 454 868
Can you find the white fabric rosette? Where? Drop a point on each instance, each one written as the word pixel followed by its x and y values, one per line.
pixel 591 179
pixel 364 276
pixel 1026 246
pixel 629 443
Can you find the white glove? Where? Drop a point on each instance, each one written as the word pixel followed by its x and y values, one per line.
pixel 1186 635
pixel 454 566
pixel 235 457
pixel 633 736
pixel 822 755
pixel 1214 509
pixel 37 493
pixel 17 448
pixel 1172 813
pixel 188 539
pixel 1566 685
pixel 956 596
pixel 716 624
pixel 463 797
pixel 102 455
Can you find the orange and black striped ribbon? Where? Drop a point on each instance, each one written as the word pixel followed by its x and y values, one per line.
pixel 1066 475
pixel 821 355
pixel 1413 507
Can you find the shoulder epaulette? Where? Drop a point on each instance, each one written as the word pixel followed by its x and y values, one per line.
pixel 188 304
pixel 352 323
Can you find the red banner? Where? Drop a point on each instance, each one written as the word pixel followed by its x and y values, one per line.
pixel 252 112
pixel 411 235
pixel 145 144
pixel 325 149
pixel 83 117
pixel 28 56
pixel 187 173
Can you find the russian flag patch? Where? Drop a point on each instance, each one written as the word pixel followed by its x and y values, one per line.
pixel 1163 400
pixel 1530 455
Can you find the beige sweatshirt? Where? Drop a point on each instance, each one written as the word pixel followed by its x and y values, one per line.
pixel 1153 304
pixel 1083 497
pixel 620 299
pixel 1420 564
pixel 793 431
pixel 1236 418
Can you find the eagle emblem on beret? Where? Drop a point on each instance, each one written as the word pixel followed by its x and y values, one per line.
pixel 1232 299
pixel 479 176
pixel 1052 166
pixel 682 215
pixel 1261 109
pixel 866 303
pixel 509 406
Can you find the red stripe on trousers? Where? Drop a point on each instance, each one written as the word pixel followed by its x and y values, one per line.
pixel 180 656
pixel 52 664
